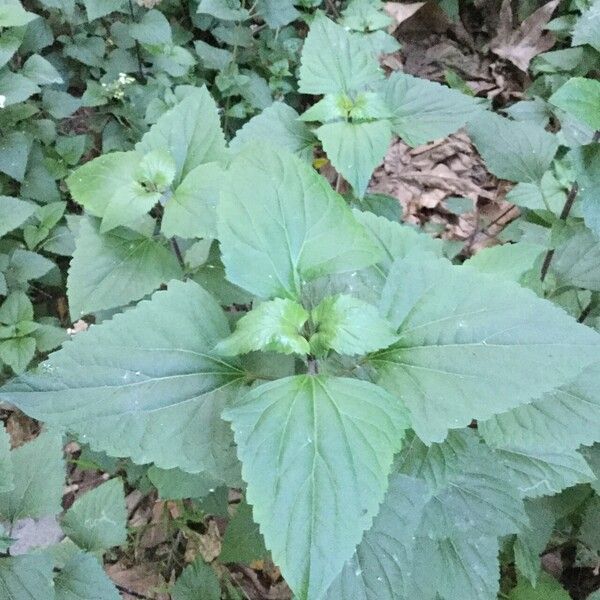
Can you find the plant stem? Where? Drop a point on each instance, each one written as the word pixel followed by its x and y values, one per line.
pixel 563 217
pixel 138 50
pixel 333 8
pixel 178 254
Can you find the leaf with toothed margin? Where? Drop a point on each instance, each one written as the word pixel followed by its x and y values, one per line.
pixel 460 333
pixel 316 452
pixel 145 385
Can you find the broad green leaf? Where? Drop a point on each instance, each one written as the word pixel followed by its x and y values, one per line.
pixel 97 181
pixel 242 542
pixel 12 14
pixel 6 466
pixel 423 110
pixel 14 150
pixel 512 150
pixel 355 149
pixel 191 212
pixel 586 161
pixel 278 125
pixel 381 568
pixel 227 10
pixel 16 308
pixel 580 97
pixel 396 240
pixel 316 453
pixel 464 567
pixel 547 194
pixel 460 333
pixel 39 474
pixel 212 57
pixel 112 270
pixel 335 60
pixel 277 13
pixel 471 494
pixel 365 15
pixel 587 28
pixel 349 326
pixel 508 261
pixel 100 8
pixel 198 580
pixel 17 353
pixel 25 266
pixel 281 224
pixel 16 87
pixel 40 71
pixel 128 206
pixel 26 578
pixel 143 385
pixel 547 588
pixel 563 419
pixel 153 29
pixel 83 578
pixel 175 484
pixel 190 131
pixel 532 540
pixel 10 40
pixel 544 472
pixel 576 261
pixel 274 326
pixel 96 521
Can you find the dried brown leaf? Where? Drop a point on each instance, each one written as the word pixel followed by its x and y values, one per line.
pixel 521 45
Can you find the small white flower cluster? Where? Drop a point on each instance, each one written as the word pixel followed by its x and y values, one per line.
pixel 148 3
pixel 2 101
pixel 114 89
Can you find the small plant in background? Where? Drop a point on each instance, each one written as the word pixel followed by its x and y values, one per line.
pixel 396 421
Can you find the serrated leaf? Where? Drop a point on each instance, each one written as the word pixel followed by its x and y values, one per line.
pixel 242 542
pixel 95 183
pixel 544 472
pixel 175 484
pixel 349 326
pixel 153 29
pixel 532 540
pixel 274 326
pixel 327 488
pixel 25 266
pixel 281 224
pixel 96 9
pixel 26 578
pixel 17 353
pixel 112 270
pixel 190 131
pixel 381 567
pixel 14 150
pixel 39 474
pixel 227 10
pixel 96 521
pixel 423 110
pixel 355 149
pixel 586 161
pixel 512 150
pixel 335 60
pixel 277 13
pixel 576 261
pixel 563 419
pixel 460 333
pixel 191 212
pixel 198 580
pixel 40 71
pixel 6 466
pixel 278 125
pixel 83 578
pixel 587 27
pixel 13 213
pixel 458 567
pixel 144 385
pixel 547 194
pixel 547 588
pixel 580 97
pixel 508 261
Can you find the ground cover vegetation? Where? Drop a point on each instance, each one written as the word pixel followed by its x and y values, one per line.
pixel 299 299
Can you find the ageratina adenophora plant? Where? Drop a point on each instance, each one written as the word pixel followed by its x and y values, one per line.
pixel 396 422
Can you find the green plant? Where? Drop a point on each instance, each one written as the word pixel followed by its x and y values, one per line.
pixel 389 414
